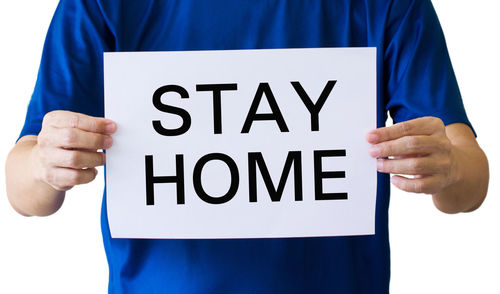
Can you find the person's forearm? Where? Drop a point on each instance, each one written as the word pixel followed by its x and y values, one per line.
pixel 27 194
pixel 470 181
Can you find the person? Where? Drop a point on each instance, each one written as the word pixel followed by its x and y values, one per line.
pixel 431 147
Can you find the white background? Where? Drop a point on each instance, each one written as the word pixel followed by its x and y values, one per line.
pixel 431 252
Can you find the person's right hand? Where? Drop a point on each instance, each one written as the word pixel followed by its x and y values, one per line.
pixel 67 153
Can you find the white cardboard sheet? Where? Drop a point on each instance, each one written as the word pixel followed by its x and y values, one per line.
pixel 349 112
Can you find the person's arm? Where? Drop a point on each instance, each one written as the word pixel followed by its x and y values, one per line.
pixel 39 169
pixel 445 161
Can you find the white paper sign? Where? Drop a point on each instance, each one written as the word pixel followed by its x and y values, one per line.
pixel 241 143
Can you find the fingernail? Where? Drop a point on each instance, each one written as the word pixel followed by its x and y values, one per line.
pixel 372 138
pixel 108 142
pixel 374 151
pixel 110 127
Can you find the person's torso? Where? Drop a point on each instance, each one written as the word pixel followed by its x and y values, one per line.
pixel 357 264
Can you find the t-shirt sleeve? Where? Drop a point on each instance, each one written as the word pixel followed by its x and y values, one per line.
pixel 70 76
pixel 418 70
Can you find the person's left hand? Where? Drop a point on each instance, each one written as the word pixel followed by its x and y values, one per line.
pixel 418 148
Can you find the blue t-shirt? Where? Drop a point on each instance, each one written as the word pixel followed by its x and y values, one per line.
pixel 415 78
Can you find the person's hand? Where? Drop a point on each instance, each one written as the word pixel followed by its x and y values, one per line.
pixel 67 147
pixel 417 148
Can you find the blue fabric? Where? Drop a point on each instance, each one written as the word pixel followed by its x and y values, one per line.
pixel 415 78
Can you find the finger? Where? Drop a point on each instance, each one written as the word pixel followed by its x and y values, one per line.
pixel 76 159
pixel 415 127
pixel 410 166
pixel 67 119
pixel 427 185
pixel 78 139
pixel 409 145
pixel 63 179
